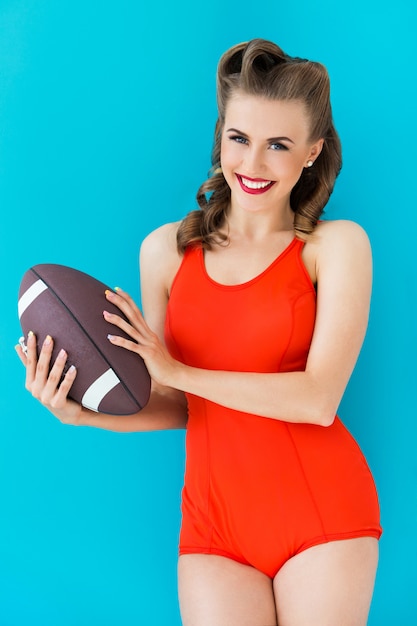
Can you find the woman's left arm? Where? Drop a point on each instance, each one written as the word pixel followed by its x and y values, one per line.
pixel 344 278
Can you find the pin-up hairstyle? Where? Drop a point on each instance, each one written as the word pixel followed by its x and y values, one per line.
pixel 261 68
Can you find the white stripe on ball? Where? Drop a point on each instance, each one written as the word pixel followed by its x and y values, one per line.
pixel 98 389
pixel 30 295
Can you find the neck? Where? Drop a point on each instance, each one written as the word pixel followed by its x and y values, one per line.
pixel 258 225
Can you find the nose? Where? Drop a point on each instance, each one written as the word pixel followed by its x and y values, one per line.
pixel 253 161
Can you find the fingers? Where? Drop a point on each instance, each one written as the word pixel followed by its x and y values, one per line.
pixel 47 384
pixel 54 391
pixel 132 346
pixel 21 350
pixel 37 370
pixel 59 397
pixel 136 326
pixel 122 295
pixel 31 360
pixel 125 303
pixel 130 330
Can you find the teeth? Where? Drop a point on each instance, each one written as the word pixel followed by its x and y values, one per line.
pixel 251 184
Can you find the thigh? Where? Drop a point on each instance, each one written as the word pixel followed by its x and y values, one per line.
pixel 328 584
pixel 217 590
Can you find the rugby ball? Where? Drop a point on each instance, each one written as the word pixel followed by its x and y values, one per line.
pixel 68 305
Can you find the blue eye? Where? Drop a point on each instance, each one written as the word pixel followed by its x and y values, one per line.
pixel 278 146
pixel 238 139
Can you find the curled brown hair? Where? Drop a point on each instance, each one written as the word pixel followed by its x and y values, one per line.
pixel 261 68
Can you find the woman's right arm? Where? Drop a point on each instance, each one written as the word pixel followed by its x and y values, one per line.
pixel 167 408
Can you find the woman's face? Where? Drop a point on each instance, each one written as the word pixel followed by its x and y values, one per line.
pixel 264 148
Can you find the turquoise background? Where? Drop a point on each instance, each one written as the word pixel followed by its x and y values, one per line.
pixel 106 118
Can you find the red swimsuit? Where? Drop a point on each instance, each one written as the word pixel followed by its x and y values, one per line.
pixel 260 490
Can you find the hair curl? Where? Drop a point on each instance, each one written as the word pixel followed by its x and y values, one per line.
pixel 261 68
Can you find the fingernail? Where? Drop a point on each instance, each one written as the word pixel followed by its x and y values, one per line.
pixel 108 292
pixel 72 369
pixel 23 345
pixel 110 337
pixel 118 289
pixel 62 355
pixel 48 340
pixel 106 313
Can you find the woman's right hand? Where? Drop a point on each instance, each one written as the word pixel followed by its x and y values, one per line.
pixel 44 385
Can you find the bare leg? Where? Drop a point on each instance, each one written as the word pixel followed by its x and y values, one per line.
pixel 328 584
pixel 216 591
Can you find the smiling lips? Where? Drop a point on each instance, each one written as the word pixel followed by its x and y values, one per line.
pixel 254 185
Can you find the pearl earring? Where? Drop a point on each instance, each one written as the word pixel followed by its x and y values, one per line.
pixel 310 163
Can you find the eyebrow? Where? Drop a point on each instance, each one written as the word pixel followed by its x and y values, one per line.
pixel 270 140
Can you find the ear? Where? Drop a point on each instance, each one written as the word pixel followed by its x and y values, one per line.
pixel 315 150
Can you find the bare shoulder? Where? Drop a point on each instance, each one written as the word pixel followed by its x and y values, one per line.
pixel 338 246
pixel 341 232
pixel 160 245
pixel 162 239
pixel 159 257
pixel 344 243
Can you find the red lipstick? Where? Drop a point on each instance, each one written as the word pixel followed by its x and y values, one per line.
pixel 254 186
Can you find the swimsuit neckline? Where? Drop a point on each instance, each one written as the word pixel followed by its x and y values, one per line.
pixel 256 278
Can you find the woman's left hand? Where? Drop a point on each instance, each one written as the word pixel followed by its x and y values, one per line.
pixel 161 366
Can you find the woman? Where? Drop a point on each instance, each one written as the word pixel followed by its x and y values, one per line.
pixel 255 315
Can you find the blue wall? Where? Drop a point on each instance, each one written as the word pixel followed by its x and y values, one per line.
pixel 106 118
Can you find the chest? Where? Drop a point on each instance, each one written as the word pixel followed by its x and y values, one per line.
pixel 262 325
pixel 239 262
